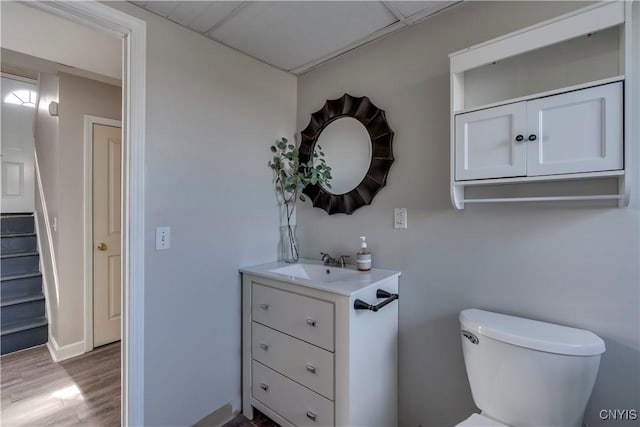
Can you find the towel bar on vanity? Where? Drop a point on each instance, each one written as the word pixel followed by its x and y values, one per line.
pixel 358 304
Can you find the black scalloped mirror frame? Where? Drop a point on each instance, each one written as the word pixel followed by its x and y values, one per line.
pixel 381 135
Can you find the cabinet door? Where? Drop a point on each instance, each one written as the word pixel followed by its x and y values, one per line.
pixel 486 143
pixel 578 131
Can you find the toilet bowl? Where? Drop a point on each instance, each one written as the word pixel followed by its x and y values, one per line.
pixel 527 373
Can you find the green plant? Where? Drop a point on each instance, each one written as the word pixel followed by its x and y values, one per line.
pixel 291 177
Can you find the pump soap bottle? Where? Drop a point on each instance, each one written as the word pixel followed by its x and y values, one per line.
pixel 364 256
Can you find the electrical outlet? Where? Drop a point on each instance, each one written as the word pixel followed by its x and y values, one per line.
pixel 163 238
pixel 400 218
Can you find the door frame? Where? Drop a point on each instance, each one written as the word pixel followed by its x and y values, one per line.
pixel 18 78
pixel 89 121
pixel 132 31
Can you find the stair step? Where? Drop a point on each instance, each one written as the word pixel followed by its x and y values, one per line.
pixel 22 308
pixel 23 263
pixel 18 243
pixel 11 224
pixel 21 299
pixel 13 327
pixel 20 285
pixel 22 304
pixel 23 334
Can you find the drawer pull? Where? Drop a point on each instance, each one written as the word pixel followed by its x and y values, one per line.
pixel 312 323
pixel 311 416
pixel 264 306
pixel 264 386
pixel 265 347
pixel 310 368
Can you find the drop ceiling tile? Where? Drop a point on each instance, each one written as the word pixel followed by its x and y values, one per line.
pixel 408 8
pixel 187 11
pixel 163 8
pixel 215 13
pixel 291 34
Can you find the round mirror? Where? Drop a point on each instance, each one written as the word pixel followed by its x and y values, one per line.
pixel 347 150
pixel 357 142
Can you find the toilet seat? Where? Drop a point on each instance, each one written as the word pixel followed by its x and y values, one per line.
pixel 477 420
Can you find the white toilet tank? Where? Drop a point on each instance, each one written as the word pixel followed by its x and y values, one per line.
pixel 529 373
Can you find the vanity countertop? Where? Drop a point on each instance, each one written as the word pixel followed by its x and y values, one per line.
pixel 348 285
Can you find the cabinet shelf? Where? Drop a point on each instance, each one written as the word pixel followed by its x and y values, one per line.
pixel 544 199
pixel 545 178
pixel 542 94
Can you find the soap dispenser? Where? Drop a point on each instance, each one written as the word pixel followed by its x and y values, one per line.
pixel 364 256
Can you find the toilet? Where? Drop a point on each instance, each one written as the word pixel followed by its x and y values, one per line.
pixel 527 373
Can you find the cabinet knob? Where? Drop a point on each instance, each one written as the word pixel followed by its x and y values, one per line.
pixel 265 347
pixel 532 137
pixel 311 416
pixel 264 306
pixel 264 386
pixel 312 323
pixel 519 138
pixel 310 368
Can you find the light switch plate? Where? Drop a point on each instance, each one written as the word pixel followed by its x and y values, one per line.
pixel 163 238
pixel 400 218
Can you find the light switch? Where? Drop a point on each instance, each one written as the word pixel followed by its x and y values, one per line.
pixel 400 218
pixel 163 238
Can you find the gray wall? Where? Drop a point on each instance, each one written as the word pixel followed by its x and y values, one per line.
pixel 573 264
pixel 78 96
pixel 53 38
pixel 60 149
pixel 212 114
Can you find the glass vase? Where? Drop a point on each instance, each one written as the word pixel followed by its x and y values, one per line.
pixel 288 244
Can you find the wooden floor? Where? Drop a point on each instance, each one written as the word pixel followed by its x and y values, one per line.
pixel 82 391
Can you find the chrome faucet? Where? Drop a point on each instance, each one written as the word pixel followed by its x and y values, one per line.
pixel 329 260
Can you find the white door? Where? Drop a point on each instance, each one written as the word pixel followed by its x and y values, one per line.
pixel 578 131
pixel 17 169
pixel 107 170
pixel 490 143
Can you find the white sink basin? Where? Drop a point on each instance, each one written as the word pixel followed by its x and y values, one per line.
pixel 315 272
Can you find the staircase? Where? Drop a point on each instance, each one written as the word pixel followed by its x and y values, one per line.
pixel 22 313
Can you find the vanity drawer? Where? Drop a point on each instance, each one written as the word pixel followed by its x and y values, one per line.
pixel 304 363
pixel 306 318
pixel 296 403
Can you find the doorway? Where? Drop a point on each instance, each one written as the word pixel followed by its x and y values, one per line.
pixel 132 32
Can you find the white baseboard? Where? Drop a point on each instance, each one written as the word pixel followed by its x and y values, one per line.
pixel 68 351
pixel 217 418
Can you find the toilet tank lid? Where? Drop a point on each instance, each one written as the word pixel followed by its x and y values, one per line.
pixel 532 334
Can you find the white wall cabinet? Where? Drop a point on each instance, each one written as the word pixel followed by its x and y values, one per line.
pixel 556 101
pixel 311 359
pixel 578 131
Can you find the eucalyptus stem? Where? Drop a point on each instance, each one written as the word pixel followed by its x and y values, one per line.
pixel 291 178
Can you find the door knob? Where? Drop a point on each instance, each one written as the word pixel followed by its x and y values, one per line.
pixel 102 246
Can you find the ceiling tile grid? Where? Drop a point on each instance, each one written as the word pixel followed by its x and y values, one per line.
pixel 294 36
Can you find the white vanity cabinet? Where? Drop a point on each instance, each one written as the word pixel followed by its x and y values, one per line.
pixel 309 358
pixel 577 131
